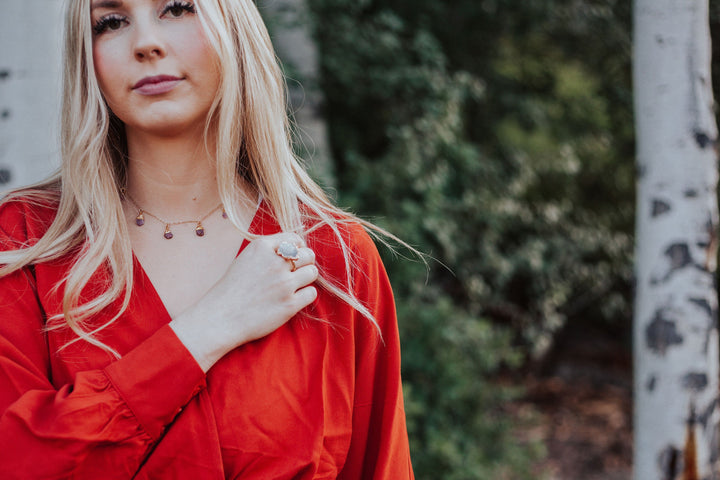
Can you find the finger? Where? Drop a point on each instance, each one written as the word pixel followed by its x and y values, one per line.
pixel 305 296
pixel 304 276
pixel 305 257
pixel 290 237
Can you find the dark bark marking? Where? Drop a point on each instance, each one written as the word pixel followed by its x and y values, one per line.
pixel 641 171
pixel 650 385
pixel 5 114
pixel 704 416
pixel 714 448
pixel 659 207
pixel 5 175
pixel 690 467
pixel 679 255
pixel 690 193
pixel 695 381
pixel 711 250
pixel 4 74
pixel 710 225
pixel 662 333
pixel 710 312
pixel 659 40
pixel 704 305
pixel 669 460
pixel 703 140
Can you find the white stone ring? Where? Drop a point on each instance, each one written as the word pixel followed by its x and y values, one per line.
pixel 289 252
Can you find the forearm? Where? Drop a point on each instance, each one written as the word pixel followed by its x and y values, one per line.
pixel 203 339
pixel 105 417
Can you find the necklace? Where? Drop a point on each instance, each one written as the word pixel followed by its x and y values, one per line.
pixel 140 218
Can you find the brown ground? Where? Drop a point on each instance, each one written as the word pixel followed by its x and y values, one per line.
pixel 582 408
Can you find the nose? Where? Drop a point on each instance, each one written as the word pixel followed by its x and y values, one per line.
pixel 148 42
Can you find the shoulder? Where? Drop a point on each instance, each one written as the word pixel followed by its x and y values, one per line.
pixel 344 239
pixel 344 250
pixel 25 217
pixel 347 257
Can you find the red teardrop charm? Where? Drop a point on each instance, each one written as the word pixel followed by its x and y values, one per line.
pixel 168 233
pixel 199 230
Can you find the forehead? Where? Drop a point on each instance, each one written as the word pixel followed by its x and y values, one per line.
pixel 110 4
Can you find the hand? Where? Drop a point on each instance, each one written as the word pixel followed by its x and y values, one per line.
pixel 259 293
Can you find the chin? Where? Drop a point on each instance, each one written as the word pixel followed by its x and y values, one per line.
pixel 170 126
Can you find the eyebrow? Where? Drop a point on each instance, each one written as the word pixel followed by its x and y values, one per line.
pixel 106 4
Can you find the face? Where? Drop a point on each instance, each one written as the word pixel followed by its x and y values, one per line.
pixel 154 65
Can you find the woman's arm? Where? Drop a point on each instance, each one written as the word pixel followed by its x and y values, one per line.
pixel 106 418
pixel 105 422
pixel 272 293
pixel 379 447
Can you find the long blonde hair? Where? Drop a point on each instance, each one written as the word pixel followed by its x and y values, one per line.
pixel 254 143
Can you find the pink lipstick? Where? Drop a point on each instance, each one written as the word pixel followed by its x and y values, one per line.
pixel 156 85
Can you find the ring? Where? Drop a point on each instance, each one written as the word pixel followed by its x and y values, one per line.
pixel 289 252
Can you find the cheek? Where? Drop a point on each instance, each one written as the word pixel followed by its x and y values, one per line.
pixel 104 68
pixel 211 68
pixel 196 49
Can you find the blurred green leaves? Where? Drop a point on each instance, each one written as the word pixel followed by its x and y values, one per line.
pixel 496 136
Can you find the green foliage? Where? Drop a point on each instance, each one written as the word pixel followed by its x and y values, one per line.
pixel 456 426
pixel 495 136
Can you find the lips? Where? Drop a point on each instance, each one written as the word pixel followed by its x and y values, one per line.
pixel 156 85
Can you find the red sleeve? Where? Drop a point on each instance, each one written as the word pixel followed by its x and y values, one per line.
pixel 379 447
pixel 107 419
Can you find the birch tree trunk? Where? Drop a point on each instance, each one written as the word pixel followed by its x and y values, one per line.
pixel 291 31
pixel 675 331
pixel 30 40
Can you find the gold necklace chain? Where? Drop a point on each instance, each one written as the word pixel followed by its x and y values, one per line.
pixel 140 218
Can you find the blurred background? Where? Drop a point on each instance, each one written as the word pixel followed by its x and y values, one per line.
pixel 496 136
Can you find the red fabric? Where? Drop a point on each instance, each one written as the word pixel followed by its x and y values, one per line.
pixel 312 400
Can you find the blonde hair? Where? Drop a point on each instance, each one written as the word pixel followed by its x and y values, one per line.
pixel 254 143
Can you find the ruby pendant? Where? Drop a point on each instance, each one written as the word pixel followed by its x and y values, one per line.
pixel 140 219
pixel 168 233
pixel 199 230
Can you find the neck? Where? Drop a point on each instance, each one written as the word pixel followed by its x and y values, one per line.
pixel 172 176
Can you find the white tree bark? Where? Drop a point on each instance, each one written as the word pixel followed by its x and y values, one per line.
pixel 675 331
pixel 30 49
pixel 291 33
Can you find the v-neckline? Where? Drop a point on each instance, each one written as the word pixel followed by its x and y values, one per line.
pixel 144 287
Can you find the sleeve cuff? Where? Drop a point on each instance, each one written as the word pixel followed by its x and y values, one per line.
pixel 157 379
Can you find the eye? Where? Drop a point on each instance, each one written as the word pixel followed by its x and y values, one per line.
pixel 109 22
pixel 177 9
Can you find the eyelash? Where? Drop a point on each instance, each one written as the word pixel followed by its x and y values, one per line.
pixel 104 23
pixel 187 6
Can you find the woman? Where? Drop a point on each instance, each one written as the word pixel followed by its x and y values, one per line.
pixel 135 341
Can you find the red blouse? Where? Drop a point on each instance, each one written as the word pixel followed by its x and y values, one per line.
pixel 312 400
